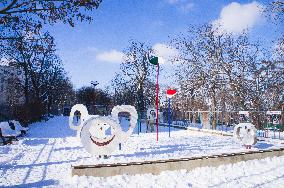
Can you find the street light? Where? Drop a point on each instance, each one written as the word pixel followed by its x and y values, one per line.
pixel 94 83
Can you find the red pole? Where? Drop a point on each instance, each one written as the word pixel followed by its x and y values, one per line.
pixel 157 102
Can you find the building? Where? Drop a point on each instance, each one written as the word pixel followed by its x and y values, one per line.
pixel 11 92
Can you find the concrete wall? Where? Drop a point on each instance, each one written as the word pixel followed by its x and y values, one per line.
pixel 156 167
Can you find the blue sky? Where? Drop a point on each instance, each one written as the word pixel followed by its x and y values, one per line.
pixel 93 51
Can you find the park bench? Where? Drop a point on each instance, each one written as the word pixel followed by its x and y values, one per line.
pixel 19 128
pixel 5 139
pixel 8 134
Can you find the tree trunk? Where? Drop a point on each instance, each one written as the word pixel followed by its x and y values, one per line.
pixel 214 114
pixel 26 86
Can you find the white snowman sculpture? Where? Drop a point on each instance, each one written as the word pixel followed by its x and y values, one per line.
pixel 101 135
pixel 245 133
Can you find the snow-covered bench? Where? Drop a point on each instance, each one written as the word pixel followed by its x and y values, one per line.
pixel 9 132
pixel 5 139
pixel 19 127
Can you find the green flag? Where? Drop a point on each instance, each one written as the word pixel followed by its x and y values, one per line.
pixel 154 61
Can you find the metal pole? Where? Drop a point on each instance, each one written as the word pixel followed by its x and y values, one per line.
pixel 274 133
pixel 138 122
pixel 157 102
pixel 169 117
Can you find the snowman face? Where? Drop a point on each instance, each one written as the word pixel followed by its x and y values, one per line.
pixel 98 133
pixel 101 135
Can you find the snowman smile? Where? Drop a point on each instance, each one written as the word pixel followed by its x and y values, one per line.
pixel 98 143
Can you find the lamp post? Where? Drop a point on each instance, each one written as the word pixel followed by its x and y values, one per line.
pixel 94 83
pixel 154 61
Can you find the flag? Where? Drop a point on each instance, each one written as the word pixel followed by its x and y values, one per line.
pixel 171 93
pixel 154 60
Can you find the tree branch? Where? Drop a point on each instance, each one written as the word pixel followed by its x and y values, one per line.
pixel 4 10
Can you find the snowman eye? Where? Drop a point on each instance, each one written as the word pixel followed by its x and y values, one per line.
pixel 104 123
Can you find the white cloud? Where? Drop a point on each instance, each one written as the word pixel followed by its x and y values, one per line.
pixel 235 18
pixel 164 52
pixel 187 7
pixel 112 56
pixel 183 5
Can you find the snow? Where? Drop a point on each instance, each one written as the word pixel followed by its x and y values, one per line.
pixel 18 126
pixel 268 172
pixel 7 131
pixel 44 158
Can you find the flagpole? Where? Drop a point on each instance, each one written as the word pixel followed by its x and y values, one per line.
pixel 170 94
pixel 155 61
pixel 138 122
pixel 157 102
pixel 169 116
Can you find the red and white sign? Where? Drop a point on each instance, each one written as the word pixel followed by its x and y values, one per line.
pixel 171 93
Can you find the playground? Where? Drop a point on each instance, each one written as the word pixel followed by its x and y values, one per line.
pixel 83 148
pixel 45 155
pixel 166 93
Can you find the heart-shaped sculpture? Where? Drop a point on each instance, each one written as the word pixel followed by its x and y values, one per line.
pixel 101 135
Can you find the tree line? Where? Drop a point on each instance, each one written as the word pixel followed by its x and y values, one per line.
pixel 31 50
pixel 222 72
pixel 215 72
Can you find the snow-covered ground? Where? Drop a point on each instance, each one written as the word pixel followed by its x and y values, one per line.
pixel 268 173
pixel 44 158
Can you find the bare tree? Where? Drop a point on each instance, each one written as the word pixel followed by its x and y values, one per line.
pixel 123 91
pixel 275 11
pixel 92 98
pixel 47 10
pixel 34 54
pixel 137 71
pixel 215 69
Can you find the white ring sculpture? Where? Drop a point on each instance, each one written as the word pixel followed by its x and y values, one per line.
pixel 84 116
pixel 93 135
pixel 133 118
pixel 245 133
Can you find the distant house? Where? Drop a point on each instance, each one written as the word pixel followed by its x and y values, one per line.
pixel 10 91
